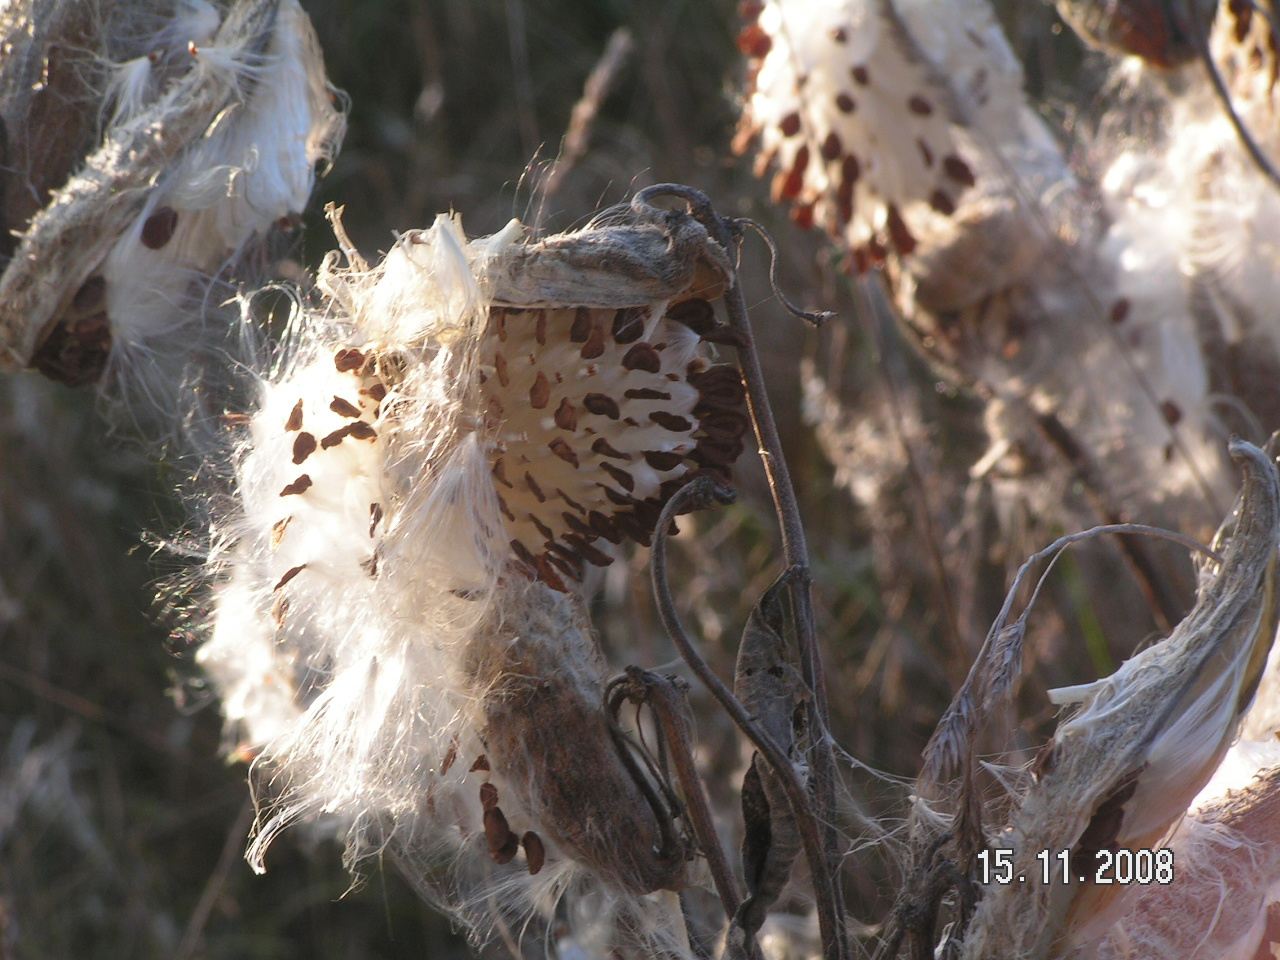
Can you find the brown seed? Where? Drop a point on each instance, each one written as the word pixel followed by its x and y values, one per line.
pixel 670 421
pixel 298 487
pixel 662 461
pixel 499 471
pixel 566 416
pixel 628 324
pixel 500 365
pixel 362 431
pixel 602 526
pixel 506 511
pixel 502 843
pixel 957 170
pixel 845 103
pixel 606 449
pixel 589 552
pixel 942 203
pixel 561 449
pixel 831 146
pixel 547 574
pixel 158 228
pixel 564 566
pixel 919 105
pixel 899 233
pixel 348 360
pixel 578 526
pixel 753 41
pixel 860 75
pixel 540 392
pixel 540 328
pixel 646 393
pixel 533 486
pixel 601 405
pixel 288 575
pixel 450 756
pixel 335 438
pixel 344 408
pixel 1120 310
pixel 277 531
pixel 375 517
pixel 839 35
pixel 925 153
pixel 695 313
pixel 802 216
pixel 790 125
pixel 535 854
pixel 623 479
pixel 488 796
pixel 570 501
pixel 1171 412
pixel 581 328
pixel 295 418
pixel 378 392
pixel 594 346
pixel 481 764
pixel 642 356
pixel 304 444
pixel 543 529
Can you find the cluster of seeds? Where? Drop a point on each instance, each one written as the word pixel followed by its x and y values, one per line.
pixel 597 416
pixel 861 109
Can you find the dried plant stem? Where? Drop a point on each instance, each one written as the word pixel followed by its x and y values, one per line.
pixel 702 492
pixel 234 843
pixel 822 776
pixel 581 121
pixel 665 699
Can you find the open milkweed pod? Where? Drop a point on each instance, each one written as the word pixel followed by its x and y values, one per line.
pixel 862 106
pixel 1122 769
pixel 458 433
pixel 213 126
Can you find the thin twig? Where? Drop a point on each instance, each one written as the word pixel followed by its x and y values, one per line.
pixel 701 492
pixel 594 93
pixel 815 317
pixel 217 880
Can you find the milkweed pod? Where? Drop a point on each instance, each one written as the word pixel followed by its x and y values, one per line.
pixel 1126 764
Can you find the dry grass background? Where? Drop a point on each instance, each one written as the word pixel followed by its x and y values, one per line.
pixel 120 826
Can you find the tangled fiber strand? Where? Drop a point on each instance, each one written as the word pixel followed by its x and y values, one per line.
pixel 213 130
pixel 397 634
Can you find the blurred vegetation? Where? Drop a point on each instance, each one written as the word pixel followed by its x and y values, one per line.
pixel 121 827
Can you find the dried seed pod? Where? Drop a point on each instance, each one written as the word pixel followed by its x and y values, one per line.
pixel 861 108
pixel 1128 762
pixel 772 690
pixel 443 485
pixel 201 156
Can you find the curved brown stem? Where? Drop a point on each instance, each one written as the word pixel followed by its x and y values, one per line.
pixel 702 492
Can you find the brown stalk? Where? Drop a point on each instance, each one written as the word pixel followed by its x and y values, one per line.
pixel 701 493
pixel 664 697
pixel 822 777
